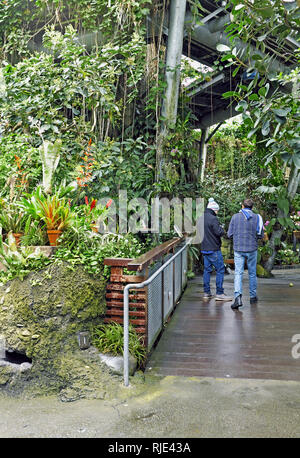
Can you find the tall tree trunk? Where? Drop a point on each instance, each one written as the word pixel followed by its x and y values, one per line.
pixel 173 61
pixel 273 244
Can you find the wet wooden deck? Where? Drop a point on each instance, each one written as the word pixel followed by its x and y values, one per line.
pixel 209 339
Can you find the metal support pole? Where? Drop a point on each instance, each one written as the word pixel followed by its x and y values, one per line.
pixel 126 335
pixel 181 270
pixel 162 299
pixel 173 283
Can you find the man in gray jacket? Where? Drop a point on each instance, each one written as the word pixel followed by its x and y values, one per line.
pixel 245 227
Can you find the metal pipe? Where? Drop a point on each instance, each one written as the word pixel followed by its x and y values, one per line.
pixel 213 132
pixel 126 309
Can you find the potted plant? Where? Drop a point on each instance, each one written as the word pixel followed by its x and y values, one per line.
pixel 56 215
pixel 13 219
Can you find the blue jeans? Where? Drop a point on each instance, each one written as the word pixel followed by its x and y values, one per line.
pixel 215 260
pixel 239 264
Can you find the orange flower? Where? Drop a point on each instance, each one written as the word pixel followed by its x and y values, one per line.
pixel 21 175
pixel 85 168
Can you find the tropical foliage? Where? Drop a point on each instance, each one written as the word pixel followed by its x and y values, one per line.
pixel 269 102
pixel 81 90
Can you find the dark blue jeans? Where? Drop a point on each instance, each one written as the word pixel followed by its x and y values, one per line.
pixel 215 260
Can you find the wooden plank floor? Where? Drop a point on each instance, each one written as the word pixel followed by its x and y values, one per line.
pixel 207 338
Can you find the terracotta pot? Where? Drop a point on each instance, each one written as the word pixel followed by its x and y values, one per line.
pixel 53 236
pixel 17 236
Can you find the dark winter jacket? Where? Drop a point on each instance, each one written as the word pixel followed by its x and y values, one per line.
pixel 213 232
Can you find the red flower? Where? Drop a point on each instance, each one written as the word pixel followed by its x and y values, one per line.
pixel 86 200
pixel 93 204
pixel 109 203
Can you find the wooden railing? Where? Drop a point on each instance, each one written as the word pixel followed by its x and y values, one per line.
pixel 137 298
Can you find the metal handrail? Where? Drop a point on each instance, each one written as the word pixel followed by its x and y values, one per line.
pixel 126 308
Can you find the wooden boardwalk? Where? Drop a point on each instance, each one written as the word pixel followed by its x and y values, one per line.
pixel 209 339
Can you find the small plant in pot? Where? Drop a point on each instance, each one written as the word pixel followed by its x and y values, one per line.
pixel 12 219
pixel 56 215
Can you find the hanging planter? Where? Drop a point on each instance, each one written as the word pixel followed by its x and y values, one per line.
pixel 53 235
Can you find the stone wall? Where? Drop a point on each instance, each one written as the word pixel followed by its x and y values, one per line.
pixel 40 320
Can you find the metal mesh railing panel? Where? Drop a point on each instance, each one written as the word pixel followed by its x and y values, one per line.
pixel 154 306
pixel 184 267
pixel 164 291
pixel 177 277
pixel 168 288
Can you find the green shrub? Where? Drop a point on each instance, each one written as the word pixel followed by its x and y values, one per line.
pixel 287 257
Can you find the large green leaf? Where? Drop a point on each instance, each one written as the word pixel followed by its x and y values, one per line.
pixel 265 13
pixel 284 205
pixel 282 112
pixel 228 94
pixel 267 189
pixel 295 144
pixel 222 48
pixel 265 128
pixel 296 160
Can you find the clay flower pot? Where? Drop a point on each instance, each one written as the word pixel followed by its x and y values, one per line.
pixel 53 236
pixel 17 237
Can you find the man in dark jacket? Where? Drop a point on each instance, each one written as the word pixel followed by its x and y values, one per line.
pixel 245 227
pixel 211 250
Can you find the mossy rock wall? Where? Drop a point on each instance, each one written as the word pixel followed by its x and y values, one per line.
pixel 41 317
pixel 261 272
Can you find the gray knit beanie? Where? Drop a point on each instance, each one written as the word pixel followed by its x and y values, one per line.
pixel 213 205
